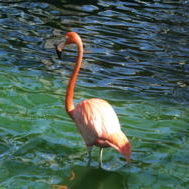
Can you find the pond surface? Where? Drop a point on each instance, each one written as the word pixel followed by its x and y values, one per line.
pixel 136 57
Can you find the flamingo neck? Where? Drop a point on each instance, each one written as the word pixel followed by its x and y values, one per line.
pixel 70 90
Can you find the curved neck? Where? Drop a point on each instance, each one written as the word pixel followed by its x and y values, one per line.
pixel 70 90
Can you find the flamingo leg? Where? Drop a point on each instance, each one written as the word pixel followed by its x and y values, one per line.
pixel 89 148
pixel 100 157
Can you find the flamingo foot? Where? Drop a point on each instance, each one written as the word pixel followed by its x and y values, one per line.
pixel 89 148
pixel 100 157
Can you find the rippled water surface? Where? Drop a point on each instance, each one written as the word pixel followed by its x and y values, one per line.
pixel 136 57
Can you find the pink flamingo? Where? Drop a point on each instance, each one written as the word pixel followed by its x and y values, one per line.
pixel 95 118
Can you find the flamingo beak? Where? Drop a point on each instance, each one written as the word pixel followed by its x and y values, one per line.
pixel 59 47
pixel 59 53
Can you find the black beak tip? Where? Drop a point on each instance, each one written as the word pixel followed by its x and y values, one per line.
pixel 59 53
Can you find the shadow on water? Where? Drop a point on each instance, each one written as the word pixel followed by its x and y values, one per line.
pixel 94 178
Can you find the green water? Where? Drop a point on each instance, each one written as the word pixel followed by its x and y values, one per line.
pixel 140 65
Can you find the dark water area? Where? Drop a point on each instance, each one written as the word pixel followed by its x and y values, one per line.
pixel 136 56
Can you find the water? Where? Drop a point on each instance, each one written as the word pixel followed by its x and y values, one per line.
pixel 136 57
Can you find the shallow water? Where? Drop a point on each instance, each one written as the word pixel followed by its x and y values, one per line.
pixel 136 57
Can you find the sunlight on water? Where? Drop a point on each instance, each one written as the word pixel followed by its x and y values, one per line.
pixel 136 57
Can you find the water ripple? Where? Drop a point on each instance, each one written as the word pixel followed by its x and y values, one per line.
pixel 136 57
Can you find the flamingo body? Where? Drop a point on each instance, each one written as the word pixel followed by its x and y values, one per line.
pixel 95 118
pixel 98 124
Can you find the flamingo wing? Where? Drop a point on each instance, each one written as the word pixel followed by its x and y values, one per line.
pixel 95 118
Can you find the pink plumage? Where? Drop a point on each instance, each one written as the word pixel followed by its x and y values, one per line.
pixel 95 118
pixel 98 124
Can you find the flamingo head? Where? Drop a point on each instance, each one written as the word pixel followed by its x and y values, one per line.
pixel 71 37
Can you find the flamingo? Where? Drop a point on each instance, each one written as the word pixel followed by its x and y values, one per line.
pixel 95 118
